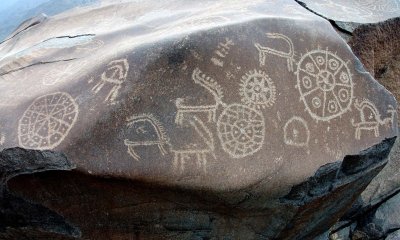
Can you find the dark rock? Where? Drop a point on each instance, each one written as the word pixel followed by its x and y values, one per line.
pixel 387 216
pixel 19 217
pixel 377 46
pixel 393 236
pixel 194 120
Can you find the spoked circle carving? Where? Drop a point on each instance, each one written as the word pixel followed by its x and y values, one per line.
pixel 257 90
pixel 47 121
pixel 325 84
pixel 241 130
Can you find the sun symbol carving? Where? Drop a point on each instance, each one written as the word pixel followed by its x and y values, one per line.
pixel 325 84
pixel 257 90
pixel 241 130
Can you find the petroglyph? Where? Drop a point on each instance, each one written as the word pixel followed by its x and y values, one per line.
pixel 221 52
pixel 92 45
pixel 210 84
pixel 115 75
pixel 378 5
pixel 148 131
pixel 296 132
pixel 196 151
pixel 182 110
pixel 325 84
pixel 241 130
pixel 47 121
pixel 257 90
pixel 55 75
pixel 289 55
pixel 370 118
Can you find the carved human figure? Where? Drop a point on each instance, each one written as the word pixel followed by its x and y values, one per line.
pixel 115 74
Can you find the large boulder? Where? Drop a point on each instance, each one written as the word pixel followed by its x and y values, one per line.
pixel 357 11
pixel 377 46
pixel 204 120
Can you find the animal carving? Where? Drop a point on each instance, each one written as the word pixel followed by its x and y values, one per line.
pixel 370 118
pixel 149 132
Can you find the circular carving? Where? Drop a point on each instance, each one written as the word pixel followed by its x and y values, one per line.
pixel 333 64
pixel 257 90
pixel 47 121
pixel 316 102
pixel 241 130
pixel 325 80
pixel 344 95
pixel 307 83
pixel 325 84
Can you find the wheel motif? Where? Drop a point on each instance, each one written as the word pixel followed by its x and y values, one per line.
pixel 257 90
pixel 325 84
pixel 47 121
pixel 241 130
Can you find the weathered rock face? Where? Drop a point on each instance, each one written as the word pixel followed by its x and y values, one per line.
pixel 359 11
pixel 378 48
pixel 240 103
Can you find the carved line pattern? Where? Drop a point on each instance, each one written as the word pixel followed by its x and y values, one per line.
pixel 325 84
pixel 47 121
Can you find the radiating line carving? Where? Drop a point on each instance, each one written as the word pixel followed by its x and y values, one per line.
pixel 241 130
pixel 47 121
pixel 257 90
pixel 325 84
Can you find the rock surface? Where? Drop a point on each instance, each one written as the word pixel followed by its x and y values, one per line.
pixel 378 48
pixel 221 119
pixel 359 11
pixel 387 216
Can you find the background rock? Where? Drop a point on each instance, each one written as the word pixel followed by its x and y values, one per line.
pixel 192 120
pixel 358 11
pixel 378 48
pixel 387 215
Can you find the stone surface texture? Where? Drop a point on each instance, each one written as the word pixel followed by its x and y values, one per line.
pixel 387 215
pixel 187 120
pixel 378 48
pixel 359 11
